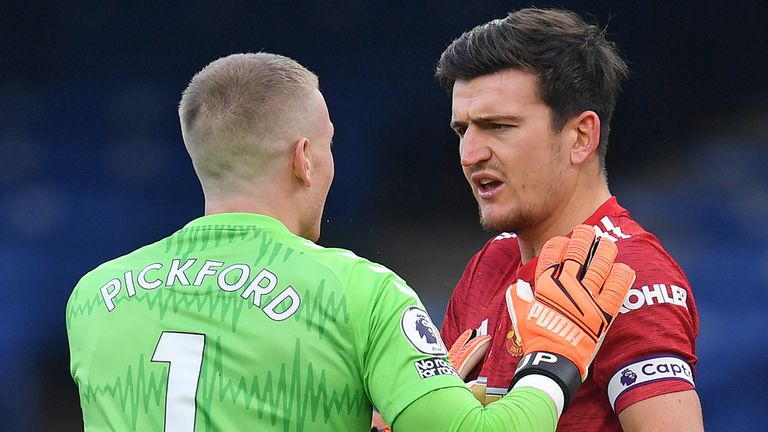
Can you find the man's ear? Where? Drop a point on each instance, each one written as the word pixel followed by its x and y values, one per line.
pixel 301 165
pixel 587 137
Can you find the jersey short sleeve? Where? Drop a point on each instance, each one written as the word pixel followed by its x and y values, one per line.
pixel 401 352
pixel 650 348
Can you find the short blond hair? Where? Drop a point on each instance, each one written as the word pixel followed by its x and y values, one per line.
pixel 241 100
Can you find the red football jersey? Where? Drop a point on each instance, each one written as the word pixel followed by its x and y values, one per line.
pixel 649 349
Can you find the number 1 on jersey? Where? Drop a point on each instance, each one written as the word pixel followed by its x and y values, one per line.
pixel 184 354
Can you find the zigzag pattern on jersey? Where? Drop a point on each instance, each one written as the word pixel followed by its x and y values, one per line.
pixel 192 239
pixel 316 312
pixel 134 390
pixel 295 392
pixel 219 306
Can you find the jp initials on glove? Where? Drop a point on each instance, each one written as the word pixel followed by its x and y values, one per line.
pixel 579 291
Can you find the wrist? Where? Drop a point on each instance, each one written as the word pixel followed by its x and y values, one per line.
pixel 556 368
pixel 546 385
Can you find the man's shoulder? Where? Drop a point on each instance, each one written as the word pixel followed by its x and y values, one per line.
pixel 142 255
pixel 498 259
pixel 503 246
pixel 660 283
pixel 495 265
pixel 344 263
pixel 360 277
pixel 638 248
pixel 92 286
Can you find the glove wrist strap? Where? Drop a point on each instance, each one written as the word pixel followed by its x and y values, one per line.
pixel 560 369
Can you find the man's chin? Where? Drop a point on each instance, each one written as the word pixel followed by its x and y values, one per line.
pixel 491 224
pixel 497 223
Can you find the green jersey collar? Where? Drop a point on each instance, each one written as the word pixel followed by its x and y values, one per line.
pixel 239 219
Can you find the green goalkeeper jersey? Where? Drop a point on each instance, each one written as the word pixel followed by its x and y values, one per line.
pixel 234 323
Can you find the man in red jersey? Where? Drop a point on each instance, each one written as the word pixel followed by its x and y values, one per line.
pixel 532 98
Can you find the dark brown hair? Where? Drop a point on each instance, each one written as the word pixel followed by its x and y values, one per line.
pixel 577 67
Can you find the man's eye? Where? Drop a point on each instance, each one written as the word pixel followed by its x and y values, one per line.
pixel 460 131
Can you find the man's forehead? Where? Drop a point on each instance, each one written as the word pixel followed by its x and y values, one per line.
pixel 494 93
pixel 504 77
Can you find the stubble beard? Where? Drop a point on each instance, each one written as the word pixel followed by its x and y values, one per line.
pixel 514 222
pixel 525 215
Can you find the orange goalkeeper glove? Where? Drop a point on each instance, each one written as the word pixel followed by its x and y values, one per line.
pixel 579 291
pixel 467 351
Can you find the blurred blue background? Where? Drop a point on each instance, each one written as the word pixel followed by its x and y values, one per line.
pixel 92 164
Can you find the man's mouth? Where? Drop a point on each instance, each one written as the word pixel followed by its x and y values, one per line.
pixel 487 188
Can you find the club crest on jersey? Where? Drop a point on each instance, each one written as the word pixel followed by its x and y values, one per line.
pixel 513 344
pixel 421 332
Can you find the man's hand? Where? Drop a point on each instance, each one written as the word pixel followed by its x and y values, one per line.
pixel 579 291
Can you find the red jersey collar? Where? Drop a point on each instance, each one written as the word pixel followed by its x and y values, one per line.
pixel 610 207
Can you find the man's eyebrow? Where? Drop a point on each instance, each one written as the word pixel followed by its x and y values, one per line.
pixel 497 117
pixel 484 119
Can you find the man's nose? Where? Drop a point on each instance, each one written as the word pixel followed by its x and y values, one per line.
pixel 472 148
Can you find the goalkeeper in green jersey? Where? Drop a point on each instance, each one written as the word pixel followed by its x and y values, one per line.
pixel 239 321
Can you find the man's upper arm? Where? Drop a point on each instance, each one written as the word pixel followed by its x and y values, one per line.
pixel 402 356
pixel 650 350
pixel 679 411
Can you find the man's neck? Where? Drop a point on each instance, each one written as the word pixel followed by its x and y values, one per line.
pixel 276 209
pixel 578 208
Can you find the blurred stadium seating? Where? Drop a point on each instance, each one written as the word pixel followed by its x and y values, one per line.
pixel 92 164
